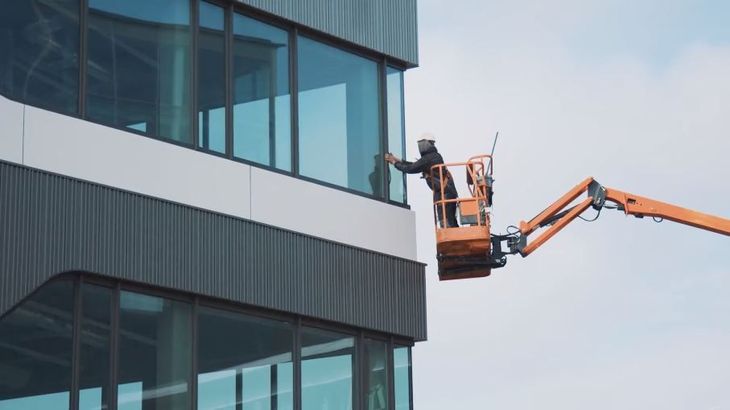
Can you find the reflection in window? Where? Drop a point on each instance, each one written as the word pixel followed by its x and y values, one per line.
pixel 94 350
pixel 154 353
pixel 376 380
pixel 211 78
pixel 402 374
pixel 396 133
pixel 35 353
pixel 39 52
pixel 339 121
pixel 327 368
pixel 244 363
pixel 261 102
pixel 138 71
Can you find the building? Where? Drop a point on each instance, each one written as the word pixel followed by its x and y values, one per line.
pixel 194 209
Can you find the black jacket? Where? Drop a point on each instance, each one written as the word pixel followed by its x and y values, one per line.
pixel 424 164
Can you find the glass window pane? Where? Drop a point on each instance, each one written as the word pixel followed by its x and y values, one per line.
pixel 39 53
pixel 211 79
pixel 244 362
pixel 396 133
pixel 339 119
pixel 94 349
pixel 261 105
pixel 35 353
pixel 154 353
pixel 402 374
pixel 327 368
pixel 139 66
pixel 376 380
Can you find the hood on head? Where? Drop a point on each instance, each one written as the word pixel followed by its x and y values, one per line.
pixel 426 146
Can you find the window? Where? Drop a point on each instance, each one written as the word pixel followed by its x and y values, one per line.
pixel 261 106
pixel 396 133
pixel 211 78
pixel 402 374
pixel 327 368
pixel 36 350
pixel 376 379
pixel 39 45
pixel 339 120
pixel 154 353
pixel 94 354
pixel 245 360
pixel 138 69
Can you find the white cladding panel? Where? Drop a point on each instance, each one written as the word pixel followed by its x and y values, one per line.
pixel 329 213
pixel 92 152
pixel 11 131
pixel 96 153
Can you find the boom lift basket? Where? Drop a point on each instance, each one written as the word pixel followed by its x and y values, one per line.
pixel 465 251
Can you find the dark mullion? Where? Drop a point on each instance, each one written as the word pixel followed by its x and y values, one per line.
pixel 402 113
pixel 195 28
pixel 113 348
pixel 390 373
pixel 294 100
pixel 410 378
pixel 194 358
pixel 272 112
pixel 228 55
pixel 383 100
pixel 76 336
pixel 83 29
pixel 274 391
pixel 358 371
pixel 239 388
pixel 297 365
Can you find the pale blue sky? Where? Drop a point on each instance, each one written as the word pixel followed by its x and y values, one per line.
pixel 617 314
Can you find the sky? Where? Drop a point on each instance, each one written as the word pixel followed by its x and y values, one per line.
pixel 620 313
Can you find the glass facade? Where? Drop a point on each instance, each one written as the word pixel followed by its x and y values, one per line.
pixel 94 353
pixel 339 118
pixel 402 375
pixel 154 353
pixel 138 351
pixel 244 362
pixel 211 77
pixel 376 380
pixel 138 68
pixel 36 350
pixel 261 105
pixel 327 370
pixel 396 133
pixel 39 53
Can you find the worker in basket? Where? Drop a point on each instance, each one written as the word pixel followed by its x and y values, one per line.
pixel 430 157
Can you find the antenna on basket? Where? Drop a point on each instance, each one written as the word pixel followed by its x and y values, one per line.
pixel 494 145
pixel 487 171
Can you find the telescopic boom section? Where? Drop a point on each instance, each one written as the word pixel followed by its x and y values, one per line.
pixel 557 217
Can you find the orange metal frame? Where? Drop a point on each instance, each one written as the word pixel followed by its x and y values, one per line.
pixel 471 250
pixel 477 171
pixel 631 205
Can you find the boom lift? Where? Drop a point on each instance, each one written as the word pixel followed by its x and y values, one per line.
pixel 472 251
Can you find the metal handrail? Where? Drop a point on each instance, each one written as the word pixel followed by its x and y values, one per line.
pixel 475 169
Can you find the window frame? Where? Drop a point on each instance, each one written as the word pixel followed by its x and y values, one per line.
pixel 294 322
pixel 294 30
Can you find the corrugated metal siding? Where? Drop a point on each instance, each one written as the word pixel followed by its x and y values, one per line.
pixel 387 26
pixel 50 224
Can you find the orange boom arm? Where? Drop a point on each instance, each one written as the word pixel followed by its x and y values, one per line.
pixel 557 217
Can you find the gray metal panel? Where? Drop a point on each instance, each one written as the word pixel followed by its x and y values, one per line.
pixel 50 224
pixel 387 26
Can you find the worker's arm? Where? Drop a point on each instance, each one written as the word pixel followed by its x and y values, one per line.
pixel 422 165
pixel 555 217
